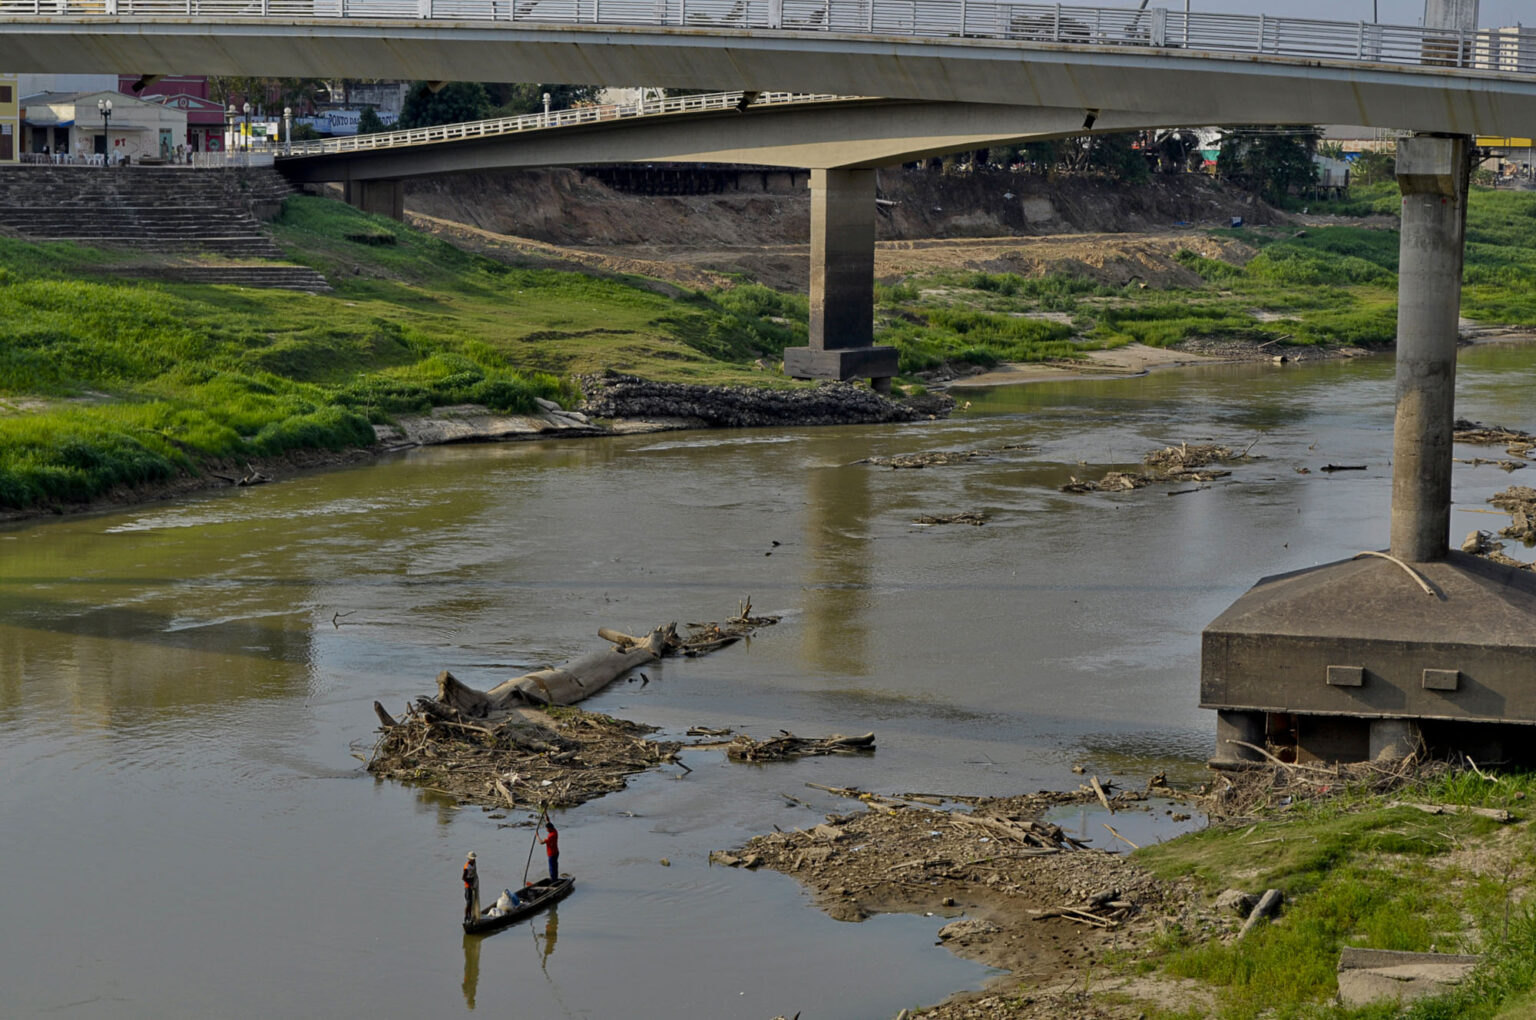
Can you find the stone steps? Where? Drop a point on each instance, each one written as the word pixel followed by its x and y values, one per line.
pixel 280 277
pixel 157 209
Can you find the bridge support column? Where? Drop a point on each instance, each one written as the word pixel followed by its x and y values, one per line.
pixel 842 284
pixel 382 198
pixel 1432 174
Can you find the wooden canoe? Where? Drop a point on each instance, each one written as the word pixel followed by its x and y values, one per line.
pixel 533 898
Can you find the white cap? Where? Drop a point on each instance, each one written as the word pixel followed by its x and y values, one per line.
pixel 471 855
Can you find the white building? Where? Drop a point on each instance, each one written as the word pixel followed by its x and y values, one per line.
pixel 70 126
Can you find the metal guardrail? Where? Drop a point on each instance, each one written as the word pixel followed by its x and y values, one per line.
pixel 539 121
pixel 1510 50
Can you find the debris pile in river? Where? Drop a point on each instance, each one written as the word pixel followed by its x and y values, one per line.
pixel 559 756
pixel 1516 443
pixel 612 395
pixel 787 745
pixel 517 744
pixel 1520 501
pixel 973 517
pixel 1182 463
pixel 937 458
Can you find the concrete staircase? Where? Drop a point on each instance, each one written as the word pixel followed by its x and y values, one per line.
pixel 162 210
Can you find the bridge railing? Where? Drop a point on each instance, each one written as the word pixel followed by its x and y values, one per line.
pixel 1510 50
pixel 539 121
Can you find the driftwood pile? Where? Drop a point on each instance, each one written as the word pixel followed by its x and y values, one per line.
pixel 1182 463
pixel 560 758
pixel 519 744
pixel 915 848
pixel 787 745
pixel 1516 443
pixel 1274 783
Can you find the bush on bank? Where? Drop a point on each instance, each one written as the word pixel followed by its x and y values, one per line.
pixel 1333 284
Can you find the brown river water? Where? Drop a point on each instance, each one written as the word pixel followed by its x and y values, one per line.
pixel 184 830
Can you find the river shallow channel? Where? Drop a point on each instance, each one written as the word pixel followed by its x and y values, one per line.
pixel 184 830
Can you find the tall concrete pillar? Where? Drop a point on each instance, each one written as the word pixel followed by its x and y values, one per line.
pixel 382 198
pixel 842 283
pixel 1432 174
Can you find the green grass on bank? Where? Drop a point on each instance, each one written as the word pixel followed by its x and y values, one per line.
pixel 107 382
pixel 1358 872
pixel 1334 284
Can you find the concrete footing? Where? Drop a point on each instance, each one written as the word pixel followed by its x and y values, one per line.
pixel 1393 738
pixel 382 198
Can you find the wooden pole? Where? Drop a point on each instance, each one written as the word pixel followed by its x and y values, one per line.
pixel 543 810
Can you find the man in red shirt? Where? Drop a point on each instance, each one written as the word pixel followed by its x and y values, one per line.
pixel 552 847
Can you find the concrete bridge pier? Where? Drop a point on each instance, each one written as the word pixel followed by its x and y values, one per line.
pixel 380 197
pixel 842 284
pixel 1432 174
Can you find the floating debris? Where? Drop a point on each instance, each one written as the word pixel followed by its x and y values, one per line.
pixel 1482 543
pixel 1182 463
pixel 1517 443
pixel 975 517
pixel 938 457
pixel 787 745
pixel 1502 465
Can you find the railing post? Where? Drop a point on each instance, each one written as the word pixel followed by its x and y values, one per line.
pixel 1261 34
pixel 962 17
pixel 871 14
pixel 1056 25
pixel 425 7
pixel 1159 28
pixel 775 13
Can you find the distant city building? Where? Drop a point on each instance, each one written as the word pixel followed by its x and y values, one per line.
pixel 206 120
pixel 34 84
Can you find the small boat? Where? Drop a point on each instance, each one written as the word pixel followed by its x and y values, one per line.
pixel 531 899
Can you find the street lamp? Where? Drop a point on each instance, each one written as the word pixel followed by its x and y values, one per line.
pixel 229 130
pixel 546 109
pixel 288 130
pixel 247 127
pixel 104 106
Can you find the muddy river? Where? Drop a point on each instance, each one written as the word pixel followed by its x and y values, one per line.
pixel 185 830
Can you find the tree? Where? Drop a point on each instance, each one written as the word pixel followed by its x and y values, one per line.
pixel 454 103
pixel 1373 167
pixel 1269 159
pixel 368 123
pixel 512 98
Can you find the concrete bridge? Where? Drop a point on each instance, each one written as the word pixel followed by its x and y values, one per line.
pixel 1351 648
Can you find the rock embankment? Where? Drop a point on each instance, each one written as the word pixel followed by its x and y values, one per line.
pixel 611 395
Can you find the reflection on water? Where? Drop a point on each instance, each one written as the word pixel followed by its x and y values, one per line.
pixel 471 968
pixel 837 570
pixel 551 936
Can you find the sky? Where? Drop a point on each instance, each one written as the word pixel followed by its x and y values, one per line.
pixel 1491 13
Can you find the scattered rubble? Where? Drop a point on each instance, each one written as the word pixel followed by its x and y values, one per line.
pixel 1502 465
pixel 1482 543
